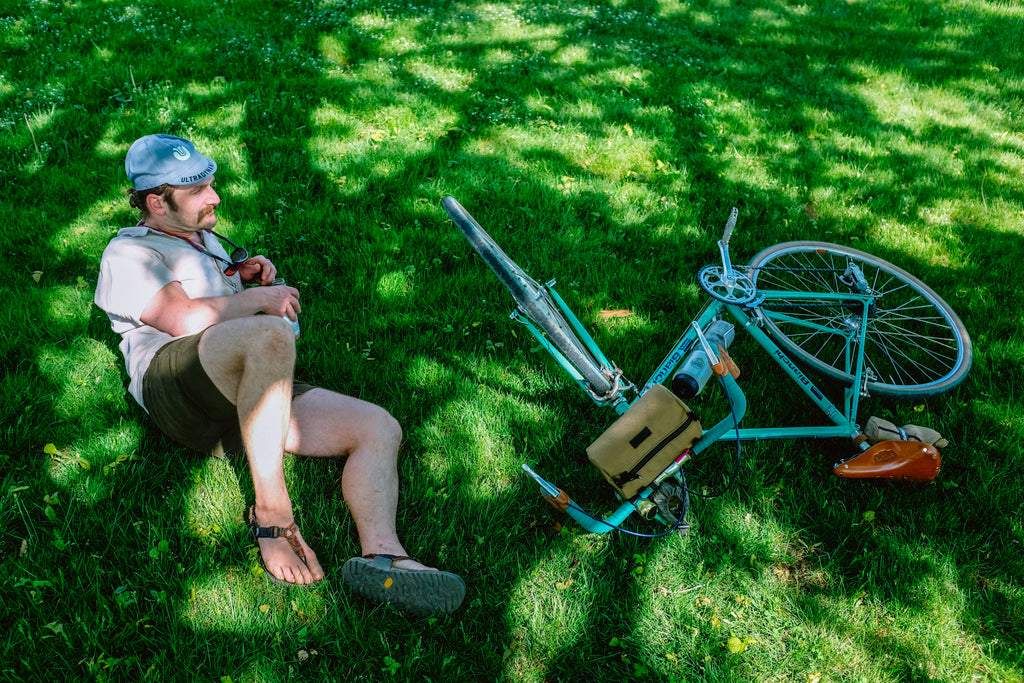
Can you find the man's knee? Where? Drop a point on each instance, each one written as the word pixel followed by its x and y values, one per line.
pixel 387 428
pixel 395 427
pixel 326 420
pixel 271 340
pixel 379 430
pixel 269 334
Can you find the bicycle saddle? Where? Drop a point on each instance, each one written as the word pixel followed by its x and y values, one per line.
pixel 906 460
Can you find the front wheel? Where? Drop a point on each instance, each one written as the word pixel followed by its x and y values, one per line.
pixel 915 345
pixel 532 299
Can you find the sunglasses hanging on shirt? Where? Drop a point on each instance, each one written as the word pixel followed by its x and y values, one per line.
pixel 239 255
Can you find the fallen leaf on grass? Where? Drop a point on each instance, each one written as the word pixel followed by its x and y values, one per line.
pixel 617 313
pixel 736 646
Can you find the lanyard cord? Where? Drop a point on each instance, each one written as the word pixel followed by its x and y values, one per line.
pixel 231 269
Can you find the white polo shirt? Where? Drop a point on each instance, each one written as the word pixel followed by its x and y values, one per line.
pixel 137 264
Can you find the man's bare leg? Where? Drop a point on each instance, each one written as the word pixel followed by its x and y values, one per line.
pixel 251 361
pixel 326 424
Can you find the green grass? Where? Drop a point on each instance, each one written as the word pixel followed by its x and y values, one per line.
pixel 602 143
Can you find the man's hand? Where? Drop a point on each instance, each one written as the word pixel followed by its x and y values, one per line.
pixel 281 300
pixel 257 270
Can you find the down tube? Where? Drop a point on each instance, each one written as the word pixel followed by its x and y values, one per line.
pixel 682 346
pixel 843 426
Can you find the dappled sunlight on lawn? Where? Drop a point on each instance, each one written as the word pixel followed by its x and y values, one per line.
pixel 213 502
pixel 395 285
pixel 552 603
pixel 225 121
pixel 243 603
pixel 88 466
pixel 355 150
pixel 85 376
pixel 481 434
pixel 601 144
pixel 447 78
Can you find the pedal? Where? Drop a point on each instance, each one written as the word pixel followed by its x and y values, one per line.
pixel 902 460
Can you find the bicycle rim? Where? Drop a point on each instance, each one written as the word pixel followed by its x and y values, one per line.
pixel 532 299
pixel 915 344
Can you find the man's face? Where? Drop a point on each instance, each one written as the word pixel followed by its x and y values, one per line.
pixel 191 208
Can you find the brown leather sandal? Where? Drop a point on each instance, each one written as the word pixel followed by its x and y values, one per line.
pixel 290 533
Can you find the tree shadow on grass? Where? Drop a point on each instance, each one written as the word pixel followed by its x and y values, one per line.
pixel 704 59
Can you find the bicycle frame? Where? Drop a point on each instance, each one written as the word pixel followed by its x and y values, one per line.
pixel 750 318
pixel 843 421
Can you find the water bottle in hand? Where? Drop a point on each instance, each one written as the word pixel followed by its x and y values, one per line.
pixel 295 323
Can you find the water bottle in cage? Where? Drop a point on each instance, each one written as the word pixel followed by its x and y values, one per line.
pixel 696 370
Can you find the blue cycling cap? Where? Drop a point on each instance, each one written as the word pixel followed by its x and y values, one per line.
pixel 154 160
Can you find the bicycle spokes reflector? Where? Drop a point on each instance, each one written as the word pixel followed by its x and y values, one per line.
pixel 908 460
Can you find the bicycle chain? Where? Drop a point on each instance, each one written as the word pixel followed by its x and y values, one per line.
pixel 805 304
pixel 796 270
pixel 751 271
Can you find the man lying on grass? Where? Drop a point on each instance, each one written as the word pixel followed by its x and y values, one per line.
pixel 207 367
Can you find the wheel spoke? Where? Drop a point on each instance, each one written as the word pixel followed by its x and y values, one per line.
pixel 914 344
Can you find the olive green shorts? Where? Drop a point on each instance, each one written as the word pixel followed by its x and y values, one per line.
pixel 184 402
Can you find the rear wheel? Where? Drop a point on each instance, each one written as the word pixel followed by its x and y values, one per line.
pixel 915 345
pixel 533 300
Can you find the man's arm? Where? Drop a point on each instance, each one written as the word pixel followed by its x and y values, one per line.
pixel 171 310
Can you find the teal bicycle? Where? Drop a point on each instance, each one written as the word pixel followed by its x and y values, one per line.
pixel 846 315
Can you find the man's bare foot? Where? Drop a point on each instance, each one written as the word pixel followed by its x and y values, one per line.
pixel 394 549
pixel 411 563
pixel 285 554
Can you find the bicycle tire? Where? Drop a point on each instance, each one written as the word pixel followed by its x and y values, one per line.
pixel 531 298
pixel 916 346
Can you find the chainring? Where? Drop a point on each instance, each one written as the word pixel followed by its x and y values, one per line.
pixel 741 290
